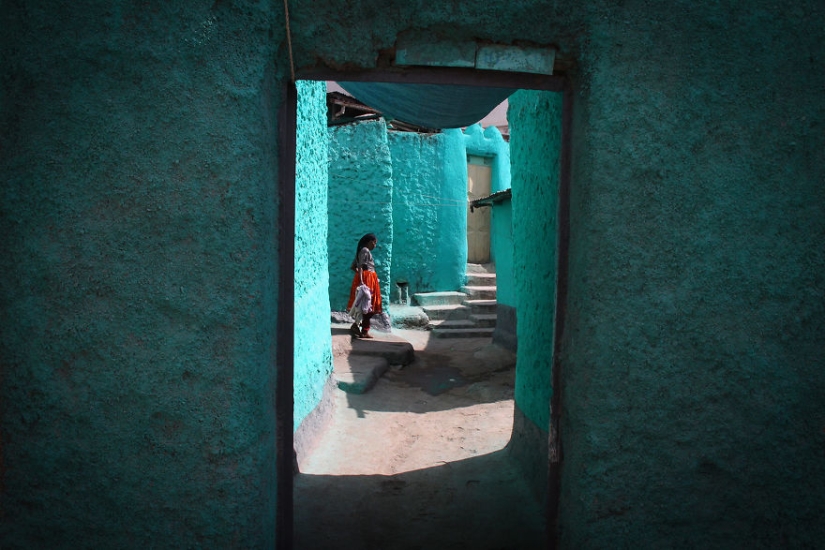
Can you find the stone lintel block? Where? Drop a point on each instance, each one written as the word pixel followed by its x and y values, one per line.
pixel 498 57
pixel 441 53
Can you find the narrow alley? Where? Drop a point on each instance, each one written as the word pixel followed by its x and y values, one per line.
pixel 421 459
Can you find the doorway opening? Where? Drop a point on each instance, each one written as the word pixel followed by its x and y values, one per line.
pixel 288 253
pixel 479 185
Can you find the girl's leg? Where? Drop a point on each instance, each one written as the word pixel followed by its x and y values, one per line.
pixel 365 325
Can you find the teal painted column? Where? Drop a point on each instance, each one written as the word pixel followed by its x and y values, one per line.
pixel 535 146
pixel 313 344
pixel 138 274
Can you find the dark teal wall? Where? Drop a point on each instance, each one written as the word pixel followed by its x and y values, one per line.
pixel 137 274
pixel 693 360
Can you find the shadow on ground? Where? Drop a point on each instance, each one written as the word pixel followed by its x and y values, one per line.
pixel 448 373
pixel 478 503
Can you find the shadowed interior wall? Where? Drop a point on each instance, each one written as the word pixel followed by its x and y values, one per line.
pixel 693 359
pixel 429 210
pixel 138 273
pixel 313 344
pixel 360 202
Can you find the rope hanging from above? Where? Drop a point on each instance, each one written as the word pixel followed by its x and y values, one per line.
pixel 289 41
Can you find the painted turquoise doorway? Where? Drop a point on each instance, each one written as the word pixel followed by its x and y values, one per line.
pixel 479 184
pixel 286 234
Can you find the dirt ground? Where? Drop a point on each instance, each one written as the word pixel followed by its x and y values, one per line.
pixel 420 460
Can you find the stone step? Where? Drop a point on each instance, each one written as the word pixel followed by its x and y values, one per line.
pixel 481 279
pixel 480 292
pixel 483 319
pixel 481 307
pixel 395 350
pixel 463 332
pixel 481 268
pixel 452 323
pixel 426 299
pixel 447 312
pixel 358 373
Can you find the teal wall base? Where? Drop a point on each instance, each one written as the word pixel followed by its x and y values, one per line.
pixel 528 447
pixel 506 331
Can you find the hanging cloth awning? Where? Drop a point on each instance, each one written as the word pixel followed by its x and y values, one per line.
pixel 432 106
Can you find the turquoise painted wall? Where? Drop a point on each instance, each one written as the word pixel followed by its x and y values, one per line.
pixel 490 143
pixel 313 344
pixel 138 262
pixel 535 148
pixel 692 353
pixel 138 155
pixel 360 202
pixel 429 210
pixel 693 363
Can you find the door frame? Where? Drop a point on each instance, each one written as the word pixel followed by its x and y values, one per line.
pixel 285 354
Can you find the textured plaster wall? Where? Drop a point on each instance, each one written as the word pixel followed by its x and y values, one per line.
pixel 429 210
pixel 313 344
pixel 693 348
pixel 138 169
pixel 694 358
pixel 535 148
pixel 360 202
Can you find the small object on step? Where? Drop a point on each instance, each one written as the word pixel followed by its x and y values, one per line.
pixel 356 332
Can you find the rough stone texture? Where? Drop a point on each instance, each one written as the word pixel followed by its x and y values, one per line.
pixel 360 202
pixel 429 210
pixel 535 141
pixel 313 345
pixel 138 274
pixel 408 317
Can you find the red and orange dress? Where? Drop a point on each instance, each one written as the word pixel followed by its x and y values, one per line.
pixel 365 261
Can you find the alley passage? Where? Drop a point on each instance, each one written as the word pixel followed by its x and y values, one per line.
pixel 419 461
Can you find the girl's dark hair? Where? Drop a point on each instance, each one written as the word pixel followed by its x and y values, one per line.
pixel 366 239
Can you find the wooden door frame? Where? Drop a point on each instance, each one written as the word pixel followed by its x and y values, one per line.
pixel 285 355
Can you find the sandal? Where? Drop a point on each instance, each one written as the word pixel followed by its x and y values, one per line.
pixel 367 335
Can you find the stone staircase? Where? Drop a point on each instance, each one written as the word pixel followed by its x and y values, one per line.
pixel 470 313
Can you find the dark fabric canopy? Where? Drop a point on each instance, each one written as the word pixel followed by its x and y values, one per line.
pixel 432 106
